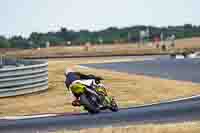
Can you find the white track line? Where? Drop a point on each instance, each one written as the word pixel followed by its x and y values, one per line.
pixel 26 117
pixel 166 102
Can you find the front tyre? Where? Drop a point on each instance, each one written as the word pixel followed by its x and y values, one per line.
pixel 87 103
pixel 114 106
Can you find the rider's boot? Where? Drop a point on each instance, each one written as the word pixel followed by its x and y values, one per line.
pixel 76 102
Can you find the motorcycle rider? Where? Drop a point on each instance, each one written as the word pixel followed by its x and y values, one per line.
pixel 72 78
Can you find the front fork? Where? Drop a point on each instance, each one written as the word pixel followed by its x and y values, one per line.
pixel 108 100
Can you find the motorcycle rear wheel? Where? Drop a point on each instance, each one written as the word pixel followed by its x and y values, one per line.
pixel 86 102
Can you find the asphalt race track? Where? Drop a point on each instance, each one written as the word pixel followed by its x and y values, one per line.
pixel 181 110
pixel 175 69
pixel 174 111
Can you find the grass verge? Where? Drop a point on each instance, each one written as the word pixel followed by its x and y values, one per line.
pixel 190 127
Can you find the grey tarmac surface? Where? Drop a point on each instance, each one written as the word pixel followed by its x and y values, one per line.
pixel 175 69
pixel 167 112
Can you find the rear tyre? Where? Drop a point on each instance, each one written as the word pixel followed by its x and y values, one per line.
pixel 91 108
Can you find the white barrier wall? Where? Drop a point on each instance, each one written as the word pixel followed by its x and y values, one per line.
pixel 19 77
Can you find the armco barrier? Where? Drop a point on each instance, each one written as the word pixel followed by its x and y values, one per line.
pixel 19 77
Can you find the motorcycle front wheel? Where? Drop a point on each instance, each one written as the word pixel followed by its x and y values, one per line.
pixel 114 106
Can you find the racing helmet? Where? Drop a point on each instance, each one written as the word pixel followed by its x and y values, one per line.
pixel 68 70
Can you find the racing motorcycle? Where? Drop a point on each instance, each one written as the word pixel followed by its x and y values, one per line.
pixel 93 96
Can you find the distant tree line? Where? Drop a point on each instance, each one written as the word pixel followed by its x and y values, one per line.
pixel 108 36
